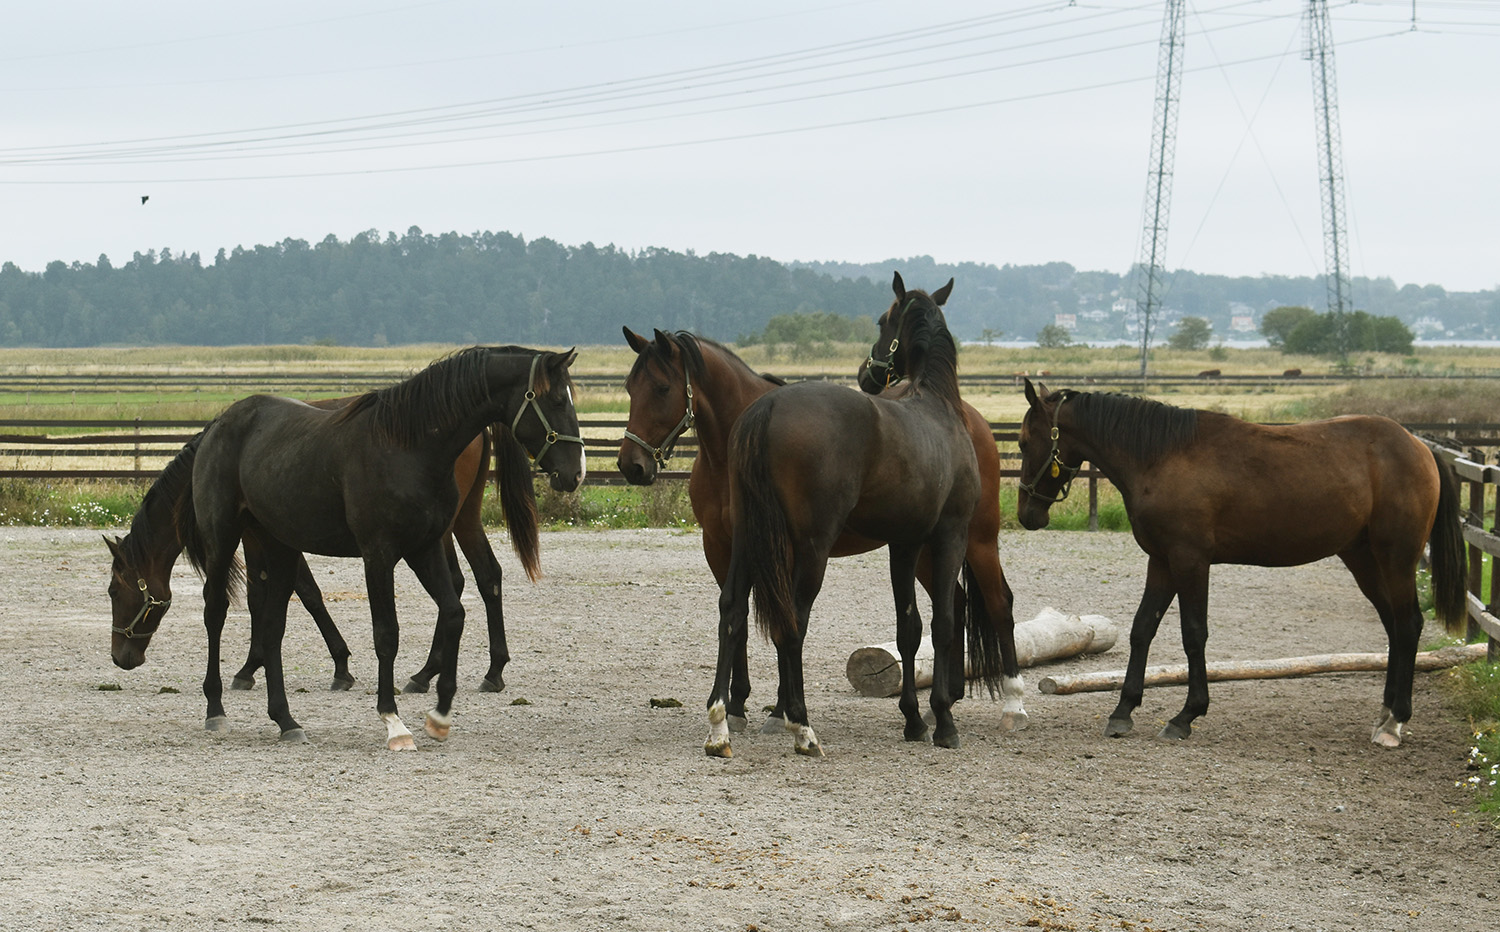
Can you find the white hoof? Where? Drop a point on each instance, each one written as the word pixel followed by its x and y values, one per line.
pixel 1388 731
pixel 397 738
pixel 717 744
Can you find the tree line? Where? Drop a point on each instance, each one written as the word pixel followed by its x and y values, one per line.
pixel 488 287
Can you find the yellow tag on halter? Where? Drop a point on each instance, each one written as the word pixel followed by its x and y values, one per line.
pixel 1056 469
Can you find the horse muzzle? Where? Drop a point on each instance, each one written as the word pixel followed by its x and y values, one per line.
pixel 637 470
pixel 127 656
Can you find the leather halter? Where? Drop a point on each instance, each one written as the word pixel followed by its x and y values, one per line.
pixel 147 604
pixel 892 377
pixel 531 402
pixel 1054 465
pixel 664 452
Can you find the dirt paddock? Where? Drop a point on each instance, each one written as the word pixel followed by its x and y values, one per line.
pixel 589 808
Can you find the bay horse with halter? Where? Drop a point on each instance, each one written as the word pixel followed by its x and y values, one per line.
pixel 1203 488
pixel 681 382
pixel 140 587
pixel 372 480
pixel 812 461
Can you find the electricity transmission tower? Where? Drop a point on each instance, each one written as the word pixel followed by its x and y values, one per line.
pixel 1330 168
pixel 1159 172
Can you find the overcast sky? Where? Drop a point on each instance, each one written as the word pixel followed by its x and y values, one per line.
pixel 858 130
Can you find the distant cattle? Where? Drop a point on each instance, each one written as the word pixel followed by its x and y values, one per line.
pixel 1209 374
pixel 1291 373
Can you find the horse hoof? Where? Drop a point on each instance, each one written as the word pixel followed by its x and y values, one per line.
pixel 402 743
pixel 294 736
pixel 1118 727
pixel 918 732
pixel 488 685
pixel 241 684
pixel 714 748
pixel 775 725
pixel 810 750
pixel 340 685
pixel 737 723
pixel 1176 732
pixel 436 727
pixel 216 723
pixel 414 686
pixel 1014 721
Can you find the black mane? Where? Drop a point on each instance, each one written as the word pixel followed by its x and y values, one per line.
pixel 1142 429
pixel 157 513
pixel 434 399
pixel 931 351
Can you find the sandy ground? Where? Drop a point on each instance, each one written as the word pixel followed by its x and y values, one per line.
pixel 588 808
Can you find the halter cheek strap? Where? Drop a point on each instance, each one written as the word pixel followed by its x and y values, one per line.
pixel 888 364
pixel 148 602
pixel 1053 465
pixel 531 402
pixel 664 452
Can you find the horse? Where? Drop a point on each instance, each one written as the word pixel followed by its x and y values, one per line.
pixel 374 480
pixel 711 387
pixel 1203 488
pixel 809 461
pixel 142 561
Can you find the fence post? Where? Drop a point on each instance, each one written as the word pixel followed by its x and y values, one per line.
pixel 1093 499
pixel 137 445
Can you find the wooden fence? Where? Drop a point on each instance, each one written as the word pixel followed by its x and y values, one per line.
pixel 1480 495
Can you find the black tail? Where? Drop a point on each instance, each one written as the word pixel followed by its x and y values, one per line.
pixel 761 526
pixel 1446 553
pixel 983 636
pixel 517 498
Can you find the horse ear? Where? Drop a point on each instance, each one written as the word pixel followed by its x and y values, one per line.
pixel 636 341
pixel 561 361
pixel 899 287
pixel 113 545
pixel 664 343
pixel 1031 396
pixel 941 295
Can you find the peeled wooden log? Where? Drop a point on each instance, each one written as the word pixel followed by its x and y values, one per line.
pixel 876 670
pixel 1176 674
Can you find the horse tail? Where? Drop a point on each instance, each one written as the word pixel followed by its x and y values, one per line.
pixel 185 520
pixel 517 498
pixel 761 537
pixel 983 635
pixel 1446 554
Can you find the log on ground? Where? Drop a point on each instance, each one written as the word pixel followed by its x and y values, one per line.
pixel 1176 674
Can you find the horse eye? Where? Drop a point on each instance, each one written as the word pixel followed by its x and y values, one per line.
pixel 663 389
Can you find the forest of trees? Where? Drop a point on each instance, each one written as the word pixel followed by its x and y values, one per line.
pixel 497 287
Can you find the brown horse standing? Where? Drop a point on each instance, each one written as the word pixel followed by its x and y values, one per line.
pixel 1204 488
pixel 680 381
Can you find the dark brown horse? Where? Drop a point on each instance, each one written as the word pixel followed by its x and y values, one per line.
pixel 1203 488
pixel 140 588
pixel 372 480
pixel 680 381
pixel 813 460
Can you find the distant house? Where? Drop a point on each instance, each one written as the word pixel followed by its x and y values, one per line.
pixel 1066 321
pixel 1242 323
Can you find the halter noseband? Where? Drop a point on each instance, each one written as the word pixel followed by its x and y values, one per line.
pixel 1054 465
pixel 148 603
pixel 664 452
pixel 531 402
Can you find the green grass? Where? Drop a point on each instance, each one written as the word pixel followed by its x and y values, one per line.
pixel 1474 690
pixel 68 503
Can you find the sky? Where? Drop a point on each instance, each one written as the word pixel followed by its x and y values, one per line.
pixel 850 130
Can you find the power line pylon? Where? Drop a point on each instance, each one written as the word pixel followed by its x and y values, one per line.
pixel 1330 168
pixel 1159 172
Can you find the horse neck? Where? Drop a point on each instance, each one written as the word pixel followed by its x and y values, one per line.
pixel 506 376
pixel 722 393
pixel 1096 449
pixel 154 531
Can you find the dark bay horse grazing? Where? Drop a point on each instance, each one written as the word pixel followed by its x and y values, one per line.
pixel 813 460
pixel 1203 488
pixel 372 480
pixel 680 381
pixel 140 587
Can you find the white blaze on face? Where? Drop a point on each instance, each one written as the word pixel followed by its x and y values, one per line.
pixel 583 461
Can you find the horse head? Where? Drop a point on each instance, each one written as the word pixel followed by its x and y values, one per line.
pixel 1047 463
pixel 140 591
pixel 661 405
pixel 888 362
pixel 546 424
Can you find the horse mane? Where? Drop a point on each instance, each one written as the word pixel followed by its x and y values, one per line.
pixel 434 399
pixel 690 345
pixel 184 514
pixel 931 351
pixel 158 511
pixel 1142 429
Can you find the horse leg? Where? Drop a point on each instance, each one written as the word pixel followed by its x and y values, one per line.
pixel 807 580
pixel 380 584
pixel 486 570
pixel 244 679
pixel 1192 605
pixel 1394 597
pixel 947 556
pixel 431 567
pixel 311 597
pixel 986 612
pixel 908 637
pixel 734 613
pixel 268 603
pixel 1154 604
pixel 215 608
